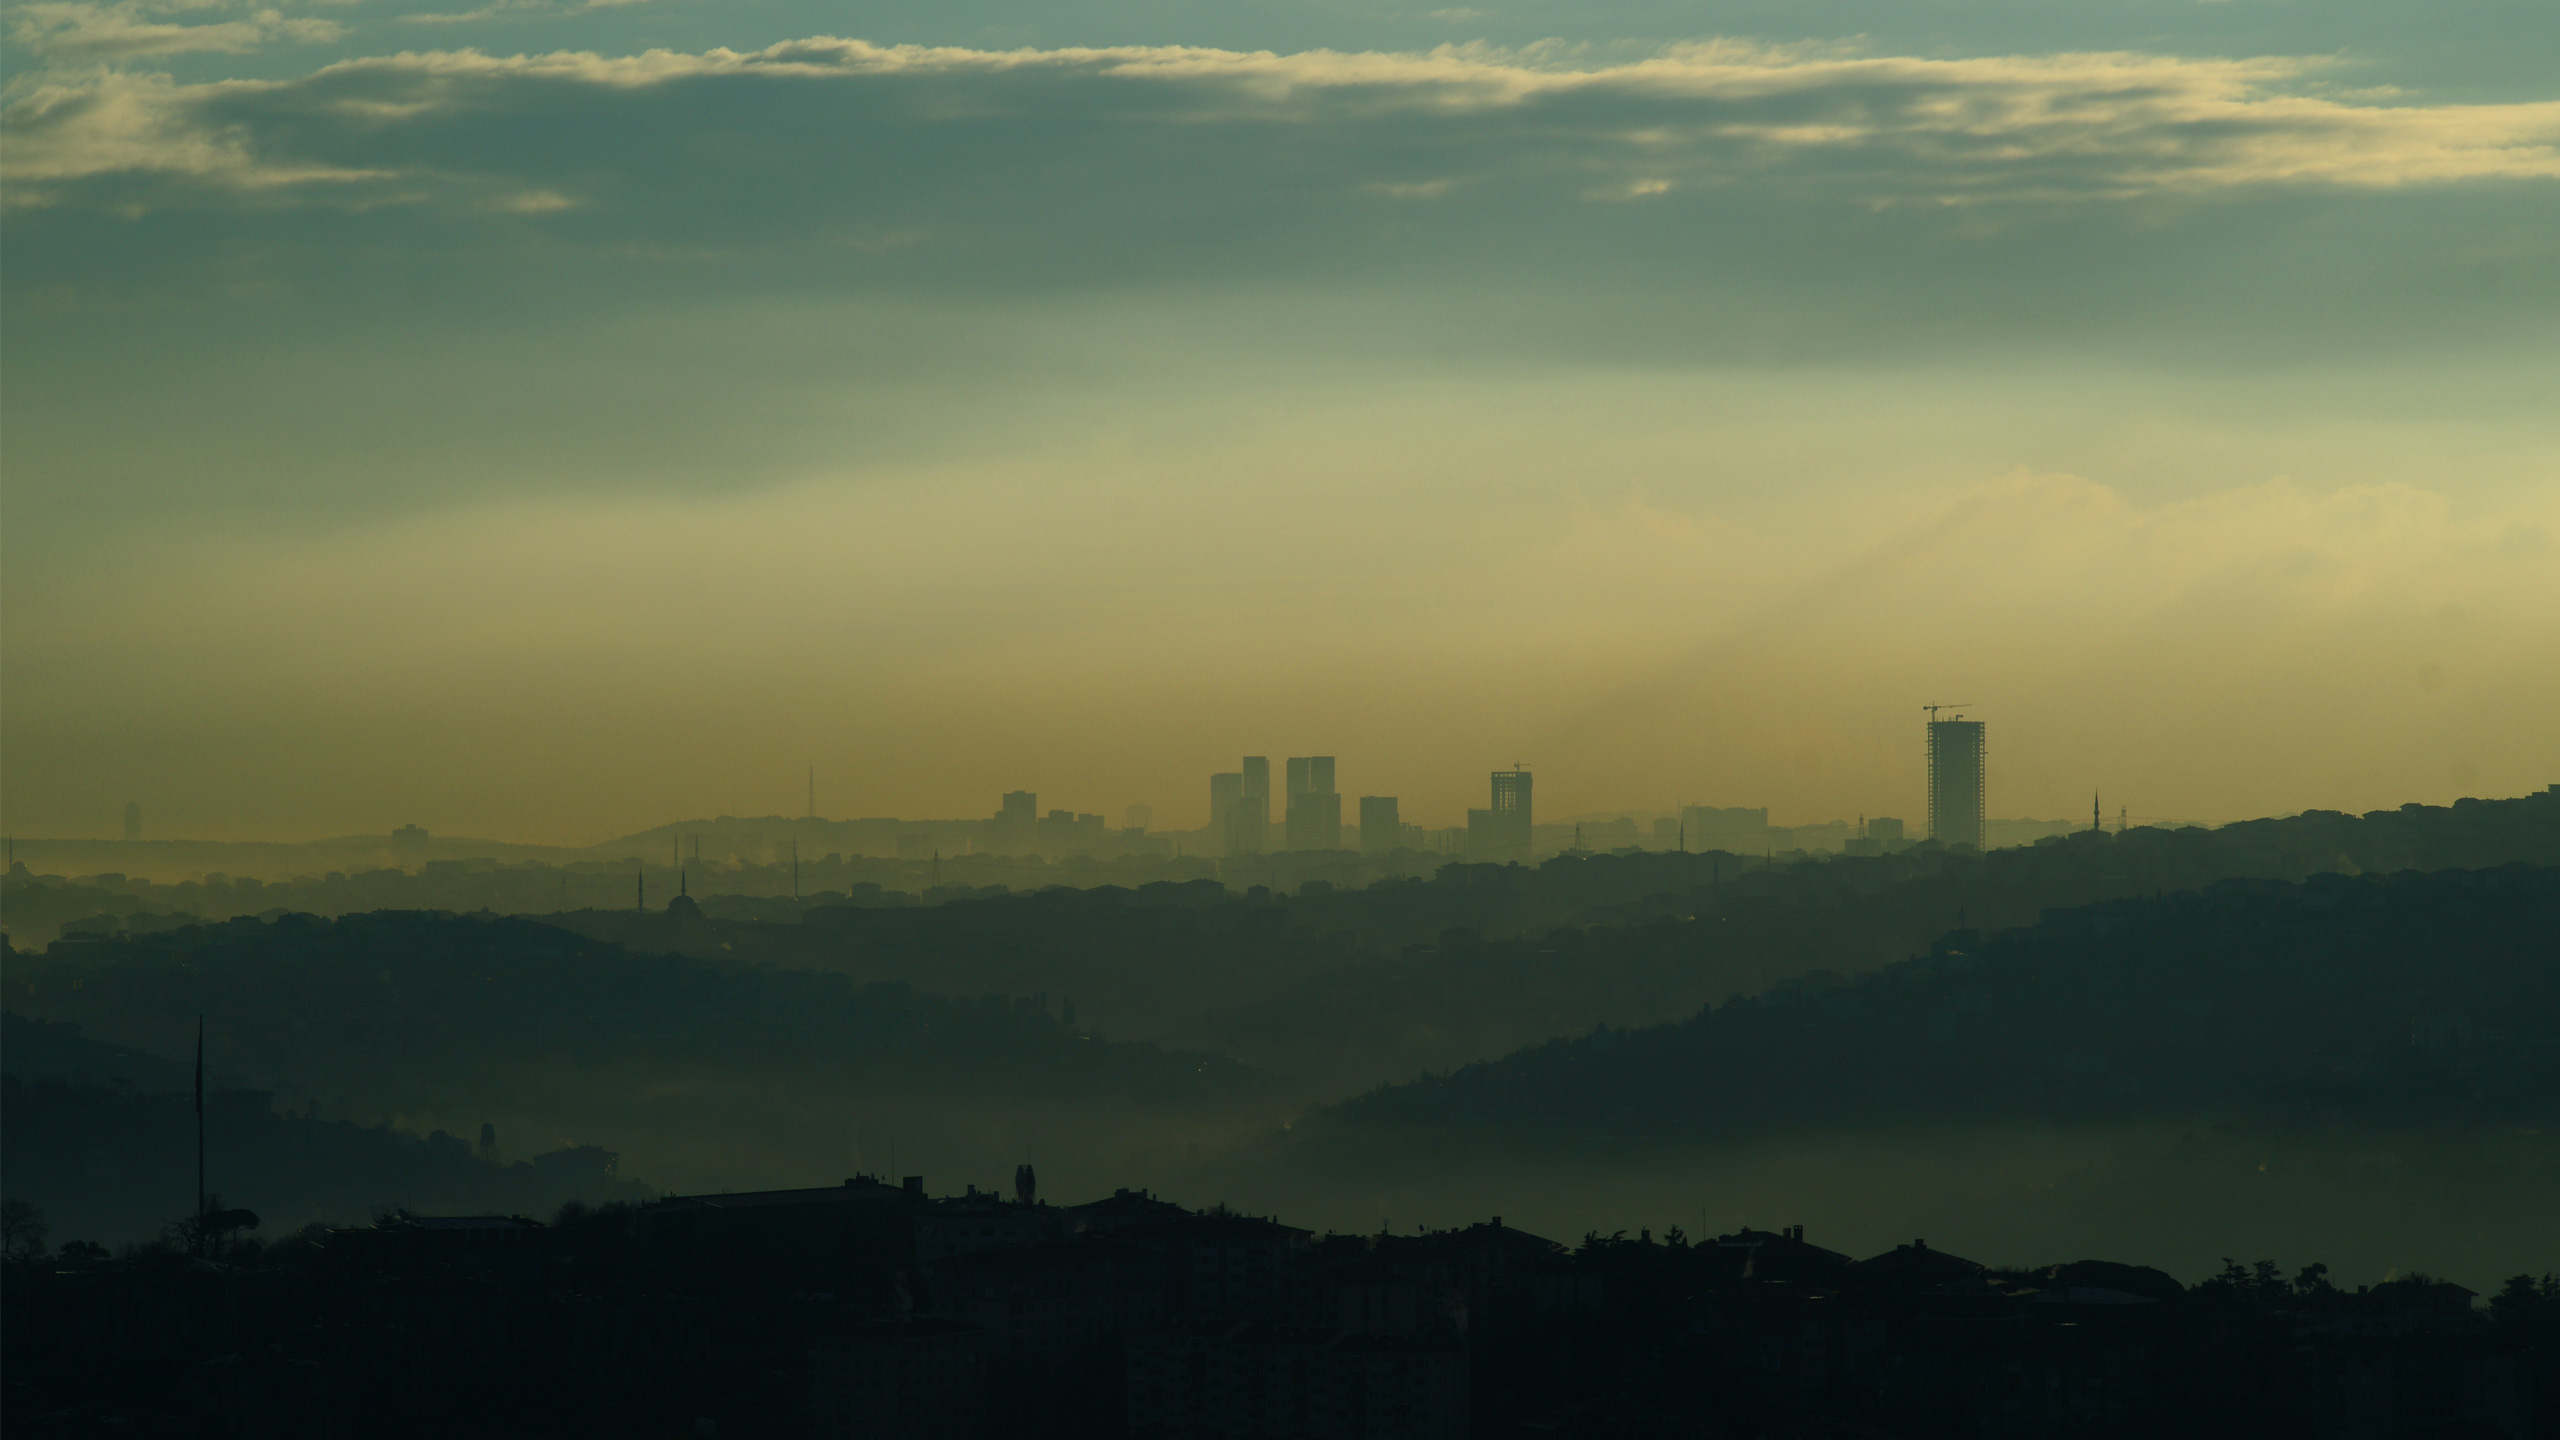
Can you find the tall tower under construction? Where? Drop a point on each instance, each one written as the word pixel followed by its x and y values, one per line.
pixel 1955 782
pixel 1503 832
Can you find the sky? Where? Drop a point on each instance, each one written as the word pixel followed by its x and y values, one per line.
pixel 543 420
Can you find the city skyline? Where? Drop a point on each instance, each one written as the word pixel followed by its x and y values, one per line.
pixel 1023 808
pixel 1427 629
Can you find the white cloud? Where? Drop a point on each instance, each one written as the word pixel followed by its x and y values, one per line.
pixel 1899 129
pixel 116 123
pixel 485 12
pixel 75 31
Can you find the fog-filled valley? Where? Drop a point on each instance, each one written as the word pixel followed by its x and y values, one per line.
pixel 2325 1032
pixel 2317 1065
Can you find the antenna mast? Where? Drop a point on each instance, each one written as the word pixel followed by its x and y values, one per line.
pixel 199 1235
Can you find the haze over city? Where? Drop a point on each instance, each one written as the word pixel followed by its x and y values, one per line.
pixel 541 422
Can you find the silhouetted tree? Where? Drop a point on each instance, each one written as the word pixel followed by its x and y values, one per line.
pixel 22 1231
pixel 220 1230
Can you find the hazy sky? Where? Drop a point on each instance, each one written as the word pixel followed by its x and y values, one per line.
pixel 544 419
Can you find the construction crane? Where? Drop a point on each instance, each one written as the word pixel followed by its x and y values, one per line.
pixel 1934 709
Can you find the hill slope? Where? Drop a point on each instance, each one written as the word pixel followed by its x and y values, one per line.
pixel 705 1073
pixel 103 1140
pixel 2429 997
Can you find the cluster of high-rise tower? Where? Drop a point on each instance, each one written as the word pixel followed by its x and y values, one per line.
pixel 1241 822
pixel 1246 817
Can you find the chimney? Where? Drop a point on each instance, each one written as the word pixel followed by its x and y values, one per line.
pixel 1497 1222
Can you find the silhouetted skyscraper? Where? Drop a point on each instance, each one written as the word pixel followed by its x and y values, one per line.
pixel 1956 782
pixel 1225 790
pixel 1249 824
pixel 1013 830
pixel 1310 774
pixel 132 820
pixel 1315 808
pixel 1381 828
pixel 1503 831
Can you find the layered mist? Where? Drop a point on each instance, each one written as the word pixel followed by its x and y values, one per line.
pixel 2323 1038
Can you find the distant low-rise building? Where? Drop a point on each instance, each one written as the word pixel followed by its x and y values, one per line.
pixel 853 1237
pixel 1224 1266
pixel 1742 829
pixel 1120 1210
pixel 965 1224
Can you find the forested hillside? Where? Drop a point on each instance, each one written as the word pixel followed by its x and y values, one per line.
pixel 1347 988
pixel 2415 997
pixel 703 1073
pixel 104 1140
pixel 2364 1069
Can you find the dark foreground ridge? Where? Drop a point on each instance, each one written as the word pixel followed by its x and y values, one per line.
pixel 869 1309
pixel 2414 998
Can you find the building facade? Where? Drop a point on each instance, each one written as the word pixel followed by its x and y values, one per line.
pixel 1956 773
pixel 1381 827
pixel 1314 816
pixel 1501 832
